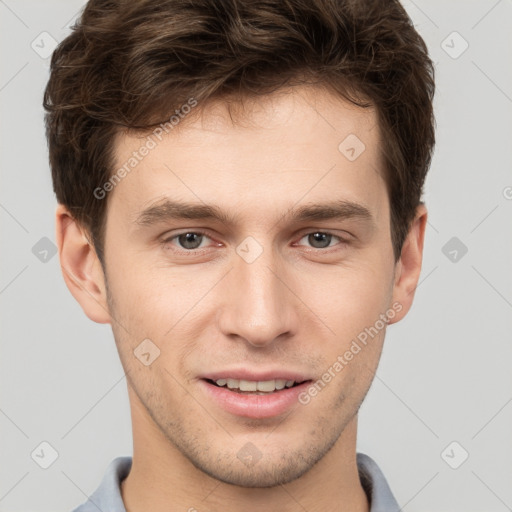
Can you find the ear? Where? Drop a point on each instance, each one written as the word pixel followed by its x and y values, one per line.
pixel 408 267
pixel 81 267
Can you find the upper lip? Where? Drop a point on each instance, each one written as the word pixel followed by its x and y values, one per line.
pixel 252 375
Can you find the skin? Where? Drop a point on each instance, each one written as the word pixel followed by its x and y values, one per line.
pixel 298 306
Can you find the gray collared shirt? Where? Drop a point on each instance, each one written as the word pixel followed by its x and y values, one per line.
pixel 107 497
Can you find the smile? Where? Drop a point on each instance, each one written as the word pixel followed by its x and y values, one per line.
pixel 260 387
pixel 256 399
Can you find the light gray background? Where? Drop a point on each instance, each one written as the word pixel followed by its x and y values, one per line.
pixel 445 373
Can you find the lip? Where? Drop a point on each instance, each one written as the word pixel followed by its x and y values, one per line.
pixel 253 406
pixel 244 374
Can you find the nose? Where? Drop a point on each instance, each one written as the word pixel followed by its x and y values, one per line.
pixel 258 307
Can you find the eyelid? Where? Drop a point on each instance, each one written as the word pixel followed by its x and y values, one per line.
pixel 167 239
pixel 342 240
pixel 338 233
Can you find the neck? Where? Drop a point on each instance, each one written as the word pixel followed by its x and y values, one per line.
pixel 162 479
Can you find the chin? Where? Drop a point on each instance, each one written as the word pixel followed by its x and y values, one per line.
pixel 264 476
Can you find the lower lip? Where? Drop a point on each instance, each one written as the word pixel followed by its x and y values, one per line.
pixel 254 406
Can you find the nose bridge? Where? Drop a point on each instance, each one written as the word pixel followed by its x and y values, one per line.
pixel 258 306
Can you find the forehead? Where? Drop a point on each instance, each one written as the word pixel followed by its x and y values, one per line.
pixel 265 155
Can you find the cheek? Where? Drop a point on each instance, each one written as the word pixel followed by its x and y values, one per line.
pixel 164 305
pixel 135 303
pixel 348 299
pixel 138 286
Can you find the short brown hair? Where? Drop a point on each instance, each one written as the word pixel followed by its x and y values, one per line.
pixel 128 65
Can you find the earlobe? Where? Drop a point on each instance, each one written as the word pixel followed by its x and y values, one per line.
pixel 408 268
pixel 81 267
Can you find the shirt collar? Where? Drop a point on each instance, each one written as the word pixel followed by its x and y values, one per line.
pixel 375 485
pixel 107 497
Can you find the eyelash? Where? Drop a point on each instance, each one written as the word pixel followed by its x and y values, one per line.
pixel 168 240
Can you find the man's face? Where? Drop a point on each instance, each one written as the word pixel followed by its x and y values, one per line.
pixel 273 288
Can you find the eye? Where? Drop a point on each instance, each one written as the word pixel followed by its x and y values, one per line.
pixel 189 240
pixel 320 239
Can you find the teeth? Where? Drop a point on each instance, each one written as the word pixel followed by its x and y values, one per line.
pixel 247 385
pixel 263 386
pixel 280 383
pixel 233 384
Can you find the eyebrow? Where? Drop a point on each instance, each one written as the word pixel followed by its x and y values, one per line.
pixel 167 210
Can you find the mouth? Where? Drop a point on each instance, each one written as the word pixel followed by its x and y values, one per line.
pixel 252 387
pixel 256 399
